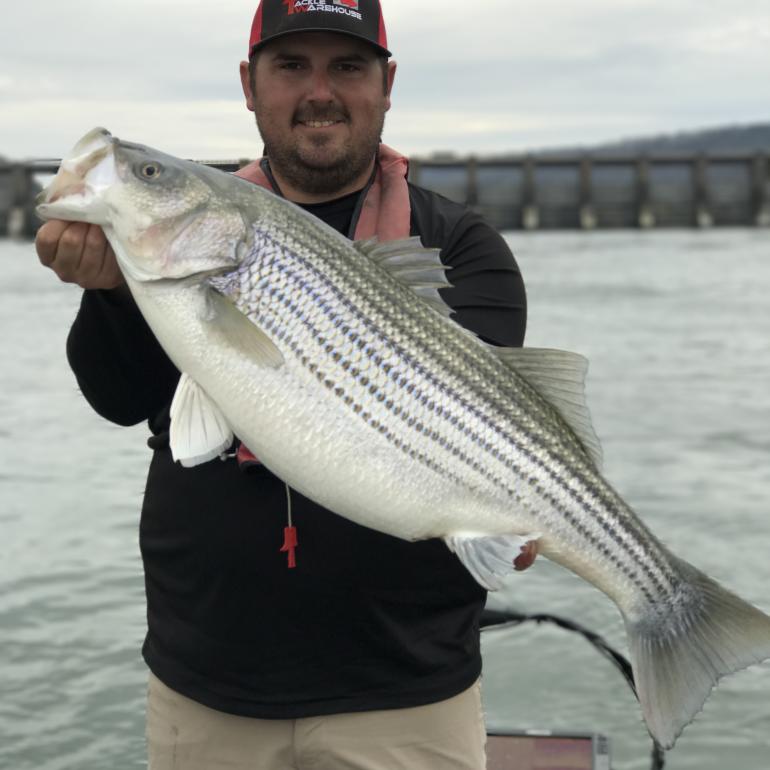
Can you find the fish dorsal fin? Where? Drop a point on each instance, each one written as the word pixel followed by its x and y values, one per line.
pixel 199 431
pixel 559 377
pixel 413 265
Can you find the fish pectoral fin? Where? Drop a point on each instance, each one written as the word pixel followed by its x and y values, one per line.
pixel 559 376
pixel 489 558
pixel 241 332
pixel 199 431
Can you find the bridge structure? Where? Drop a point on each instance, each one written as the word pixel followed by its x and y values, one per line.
pixel 531 192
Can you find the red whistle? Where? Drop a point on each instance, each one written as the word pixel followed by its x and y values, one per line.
pixel 290 544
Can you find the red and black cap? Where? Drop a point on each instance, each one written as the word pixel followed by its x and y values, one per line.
pixel 358 18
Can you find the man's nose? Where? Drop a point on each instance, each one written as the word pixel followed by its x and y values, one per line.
pixel 320 87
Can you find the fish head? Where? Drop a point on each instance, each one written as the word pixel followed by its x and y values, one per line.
pixel 165 217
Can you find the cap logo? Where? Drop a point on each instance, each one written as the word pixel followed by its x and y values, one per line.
pixel 345 7
pixel 294 6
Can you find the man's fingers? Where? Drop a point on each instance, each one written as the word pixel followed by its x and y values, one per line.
pixel 96 244
pixel 69 252
pixel 78 253
pixel 527 556
pixel 94 257
pixel 47 240
pixel 109 275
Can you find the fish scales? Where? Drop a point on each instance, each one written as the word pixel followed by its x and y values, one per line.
pixel 314 305
pixel 356 392
pixel 507 399
pixel 387 366
pixel 326 291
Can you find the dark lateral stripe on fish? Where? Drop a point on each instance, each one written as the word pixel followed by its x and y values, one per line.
pixel 306 286
pixel 602 517
pixel 604 523
pixel 436 467
pixel 403 355
pixel 430 354
pixel 281 332
pixel 285 261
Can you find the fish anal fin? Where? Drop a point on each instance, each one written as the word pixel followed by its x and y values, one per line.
pixel 489 558
pixel 559 376
pixel 199 431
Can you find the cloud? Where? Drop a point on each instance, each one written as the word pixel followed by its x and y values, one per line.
pixel 222 129
pixel 506 130
pixel 482 77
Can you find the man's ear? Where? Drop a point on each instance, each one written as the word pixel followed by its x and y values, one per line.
pixel 246 85
pixel 389 83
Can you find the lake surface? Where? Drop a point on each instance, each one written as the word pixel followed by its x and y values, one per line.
pixel 677 329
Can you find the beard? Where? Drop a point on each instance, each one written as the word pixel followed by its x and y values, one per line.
pixel 317 166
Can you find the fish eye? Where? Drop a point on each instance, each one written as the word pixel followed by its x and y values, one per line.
pixel 150 171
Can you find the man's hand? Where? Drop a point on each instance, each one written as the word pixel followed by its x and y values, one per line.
pixel 78 253
pixel 527 556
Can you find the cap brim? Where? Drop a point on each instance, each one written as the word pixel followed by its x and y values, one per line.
pixel 262 43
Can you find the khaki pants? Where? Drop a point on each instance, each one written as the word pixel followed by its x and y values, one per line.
pixel 184 735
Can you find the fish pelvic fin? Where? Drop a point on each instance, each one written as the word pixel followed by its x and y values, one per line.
pixel 199 431
pixel 680 650
pixel 489 558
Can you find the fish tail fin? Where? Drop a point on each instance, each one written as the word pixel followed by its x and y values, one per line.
pixel 681 649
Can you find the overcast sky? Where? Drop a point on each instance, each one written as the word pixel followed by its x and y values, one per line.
pixel 482 76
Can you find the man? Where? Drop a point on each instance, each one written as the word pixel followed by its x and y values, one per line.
pixel 364 652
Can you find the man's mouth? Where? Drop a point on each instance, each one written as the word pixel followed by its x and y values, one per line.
pixel 318 123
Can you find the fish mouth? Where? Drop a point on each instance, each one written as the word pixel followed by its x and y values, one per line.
pixel 67 185
pixel 82 176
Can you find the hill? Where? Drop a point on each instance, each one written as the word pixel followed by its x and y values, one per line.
pixel 726 139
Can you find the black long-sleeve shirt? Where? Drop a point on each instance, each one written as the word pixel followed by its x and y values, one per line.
pixel 365 620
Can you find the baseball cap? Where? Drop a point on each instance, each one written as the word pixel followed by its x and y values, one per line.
pixel 358 18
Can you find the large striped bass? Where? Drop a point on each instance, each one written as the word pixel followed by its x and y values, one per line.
pixel 338 366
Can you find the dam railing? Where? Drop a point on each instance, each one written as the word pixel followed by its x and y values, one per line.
pixel 547 191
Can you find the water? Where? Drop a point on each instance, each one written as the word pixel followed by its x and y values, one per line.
pixel 677 328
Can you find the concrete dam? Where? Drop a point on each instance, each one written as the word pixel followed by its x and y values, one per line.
pixel 585 192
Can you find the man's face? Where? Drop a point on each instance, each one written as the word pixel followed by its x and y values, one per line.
pixel 320 107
